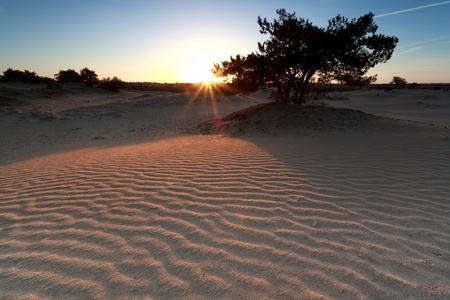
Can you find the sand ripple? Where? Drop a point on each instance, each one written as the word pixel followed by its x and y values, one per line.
pixel 209 217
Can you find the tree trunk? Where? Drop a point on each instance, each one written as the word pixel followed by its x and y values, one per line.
pixel 301 98
pixel 281 94
pixel 298 87
pixel 285 95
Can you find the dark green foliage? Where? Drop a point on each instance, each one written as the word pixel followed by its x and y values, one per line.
pixel 217 88
pixel 398 82
pixel 23 76
pixel 88 76
pixel 298 51
pixel 12 75
pixel 167 87
pixel 247 73
pixel 112 84
pixel 68 76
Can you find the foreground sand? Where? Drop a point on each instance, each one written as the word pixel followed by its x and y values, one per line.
pixel 164 213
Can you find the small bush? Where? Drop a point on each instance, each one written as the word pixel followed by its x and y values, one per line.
pixel 399 82
pixel 112 84
pixel 68 76
pixel 88 77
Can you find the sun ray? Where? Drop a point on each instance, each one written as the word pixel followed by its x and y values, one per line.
pixel 191 101
pixel 213 99
pixel 204 93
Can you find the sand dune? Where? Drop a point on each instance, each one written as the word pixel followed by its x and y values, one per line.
pixel 421 105
pixel 80 119
pixel 347 214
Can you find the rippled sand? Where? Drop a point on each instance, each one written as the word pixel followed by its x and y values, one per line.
pixel 336 215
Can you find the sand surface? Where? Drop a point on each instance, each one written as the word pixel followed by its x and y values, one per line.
pixel 419 105
pixel 123 199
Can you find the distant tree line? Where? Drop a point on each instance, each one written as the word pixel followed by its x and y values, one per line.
pixel 23 76
pixel 86 76
pixel 90 78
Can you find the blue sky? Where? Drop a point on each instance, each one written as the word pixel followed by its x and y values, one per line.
pixel 177 41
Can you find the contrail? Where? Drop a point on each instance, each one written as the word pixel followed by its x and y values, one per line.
pixel 411 9
pixel 409 51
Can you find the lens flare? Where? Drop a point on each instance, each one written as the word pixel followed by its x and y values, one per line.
pixel 198 69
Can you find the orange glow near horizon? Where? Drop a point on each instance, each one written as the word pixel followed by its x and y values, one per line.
pixel 198 69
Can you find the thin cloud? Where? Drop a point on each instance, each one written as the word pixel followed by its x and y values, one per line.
pixel 410 47
pixel 439 38
pixel 408 51
pixel 411 9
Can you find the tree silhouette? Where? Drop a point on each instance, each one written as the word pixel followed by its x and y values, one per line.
pixel 399 82
pixel 112 84
pixel 298 51
pixel 12 75
pixel 246 72
pixel 88 76
pixel 23 76
pixel 68 76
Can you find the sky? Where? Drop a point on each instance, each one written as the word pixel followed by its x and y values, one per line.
pixel 178 40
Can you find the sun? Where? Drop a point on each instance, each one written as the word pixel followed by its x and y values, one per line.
pixel 198 69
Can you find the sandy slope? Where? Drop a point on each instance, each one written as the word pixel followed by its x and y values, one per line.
pixel 329 214
pixel 420 105
pixel 79 118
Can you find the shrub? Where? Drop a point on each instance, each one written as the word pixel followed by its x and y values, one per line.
pixel 68 76
pixel 23 76
pixel 399 82
pixel 113 85
pixel 88 77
